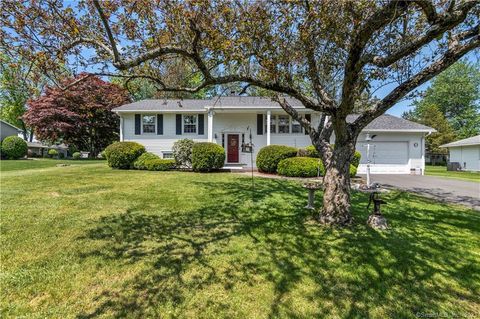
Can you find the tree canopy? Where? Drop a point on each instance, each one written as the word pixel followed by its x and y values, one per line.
pixel 80 116
pixel 326 54
pixel 456 93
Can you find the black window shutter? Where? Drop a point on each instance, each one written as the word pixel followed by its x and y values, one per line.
pixel 201 124
pixel 159 124
pixel 178 124
pixel 259 124
pixel 308 117
pixel 137 124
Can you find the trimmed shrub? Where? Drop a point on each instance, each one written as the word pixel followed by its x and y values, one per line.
pixel 269 156
pixel 353 170
pixel 301 167
pixel 356 159
pixel 312 151
pixel 141 160
pixel 76 155
pixel 207 157
pixel 159 164
pixel 123 154
pixel 52 153
pixel 182 153
pixel 14 147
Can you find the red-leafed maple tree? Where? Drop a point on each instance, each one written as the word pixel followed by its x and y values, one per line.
pixel 79 115
pixel 328 54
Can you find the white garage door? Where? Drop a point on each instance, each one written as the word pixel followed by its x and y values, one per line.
pixel 384 152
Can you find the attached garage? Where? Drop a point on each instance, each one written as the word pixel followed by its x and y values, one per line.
pixel 397 146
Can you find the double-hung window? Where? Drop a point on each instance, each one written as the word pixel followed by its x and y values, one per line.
pixel 148 124
pixel 284 124
pixel 273 124
pixel 189 124
pixel 296 127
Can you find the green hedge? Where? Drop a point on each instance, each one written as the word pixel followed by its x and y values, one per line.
pixel 14 147
pixel 269 156
pixel 207 157
pixel 353 170
pixel 159 164
pixel 311 151
pixel 301 167
pixel 140 162
pixel 52 153
pixel 356 158
pixel 123 154
pixel 76 155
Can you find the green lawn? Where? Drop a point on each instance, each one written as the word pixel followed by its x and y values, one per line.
pixel 86 241
pixel 442 171
pixel 8 165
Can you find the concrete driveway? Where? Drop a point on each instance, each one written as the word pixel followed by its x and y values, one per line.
pixel 444 189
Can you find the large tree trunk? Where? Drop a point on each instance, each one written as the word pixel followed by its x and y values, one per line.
pixel 336 196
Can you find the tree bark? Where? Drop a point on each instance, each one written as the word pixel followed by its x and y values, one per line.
pixel 336 195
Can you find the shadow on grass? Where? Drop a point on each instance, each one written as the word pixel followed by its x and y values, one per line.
pixel 273 251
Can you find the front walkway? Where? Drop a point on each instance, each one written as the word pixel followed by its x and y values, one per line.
pixel 443 189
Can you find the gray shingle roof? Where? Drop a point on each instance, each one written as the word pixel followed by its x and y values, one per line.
pixel 392 123
pixel 164 104
pixel 11 125
pixel 198 104
pixel 474 140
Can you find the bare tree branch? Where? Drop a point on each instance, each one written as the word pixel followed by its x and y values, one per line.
pixel 379 19
pixel 116 55
pixel 429 9
pixel 449 58
pixel 443 24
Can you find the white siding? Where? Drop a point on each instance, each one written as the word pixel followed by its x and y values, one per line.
pixel 157 143
pixel 392 153
pixel 467 156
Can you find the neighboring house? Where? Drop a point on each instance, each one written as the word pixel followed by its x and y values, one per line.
pixel 41 150
pixel 398 146
pixel 7 129
pixel 466 153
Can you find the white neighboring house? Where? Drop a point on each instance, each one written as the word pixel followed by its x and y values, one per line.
pixel 466 152
pixel 398 146
pixel 7 129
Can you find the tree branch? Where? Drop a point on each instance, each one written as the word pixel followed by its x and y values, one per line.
pixel 449 58
pixel 442 24
pixel 429 9
pixel 353 66
pixel 116 55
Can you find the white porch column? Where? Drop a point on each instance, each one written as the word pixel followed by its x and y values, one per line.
pixel 423 154
pixel 210 125
pixel 121 128
pixel 269 116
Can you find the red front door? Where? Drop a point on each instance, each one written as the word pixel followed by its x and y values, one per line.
pixel 232 148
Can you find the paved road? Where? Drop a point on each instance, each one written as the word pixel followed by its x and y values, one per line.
pixel 444 189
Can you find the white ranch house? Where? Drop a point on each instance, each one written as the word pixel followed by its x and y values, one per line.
pixel 398 145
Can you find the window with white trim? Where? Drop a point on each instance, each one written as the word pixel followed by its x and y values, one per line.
pixel 189 124
pixel 296 127
pixel 148 124
pixel 273 126
pixel 284 124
